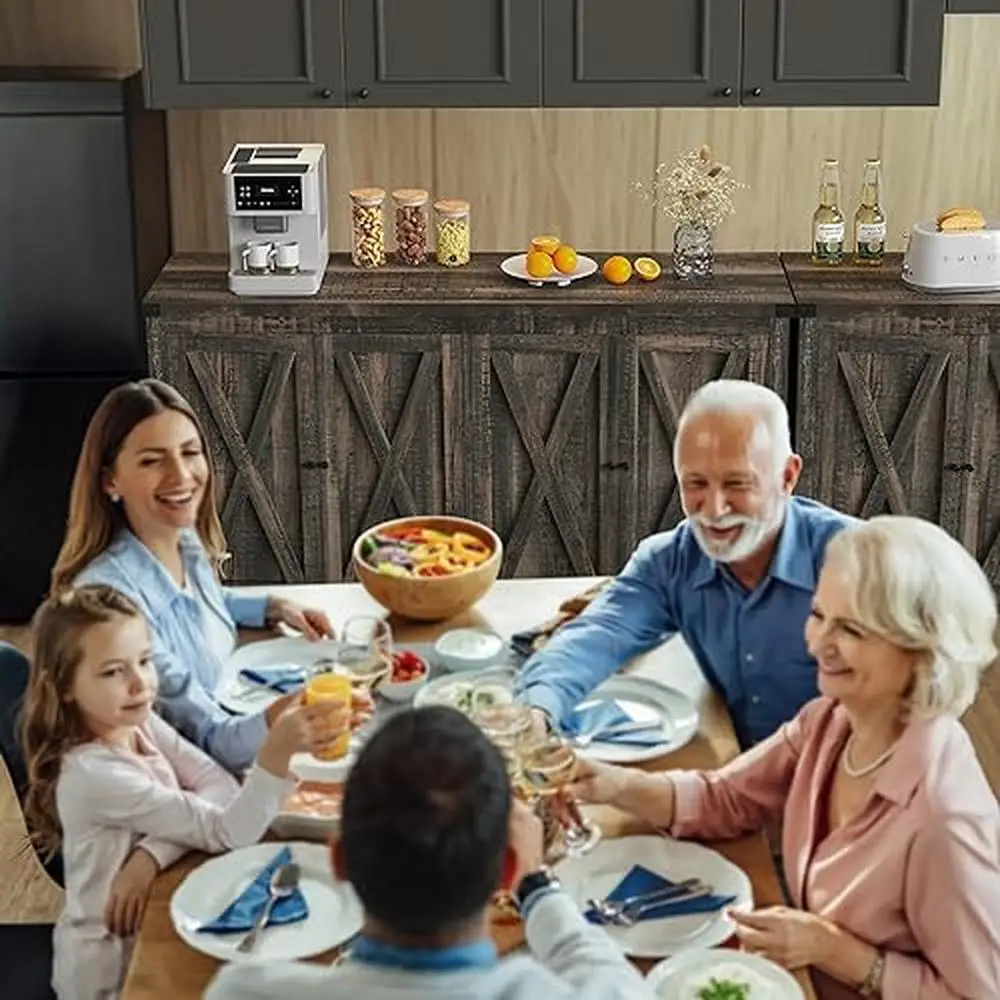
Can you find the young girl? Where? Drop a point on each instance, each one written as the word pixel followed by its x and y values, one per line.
pixel 118 789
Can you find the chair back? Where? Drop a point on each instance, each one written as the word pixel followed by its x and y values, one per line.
pixel 14 671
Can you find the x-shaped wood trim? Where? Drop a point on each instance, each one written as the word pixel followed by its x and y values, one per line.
pixel 246 455
pixel 389 454
pixel 668 408
pixel 887 485
pixel 991 558
pixel 543 454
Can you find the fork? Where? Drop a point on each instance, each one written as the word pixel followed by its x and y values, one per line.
pixel 585 739
pixel 627 912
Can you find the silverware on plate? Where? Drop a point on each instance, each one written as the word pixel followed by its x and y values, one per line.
pixel 283 883
pixel 585 739
pixel 627 912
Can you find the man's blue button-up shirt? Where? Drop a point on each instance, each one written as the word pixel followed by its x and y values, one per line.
pixel 749 644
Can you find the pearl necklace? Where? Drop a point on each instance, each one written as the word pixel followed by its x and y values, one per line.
pixel 862 771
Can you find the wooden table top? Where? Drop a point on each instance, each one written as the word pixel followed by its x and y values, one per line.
pixel 164 966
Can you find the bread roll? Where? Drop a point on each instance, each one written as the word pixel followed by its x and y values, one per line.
pixel 956 220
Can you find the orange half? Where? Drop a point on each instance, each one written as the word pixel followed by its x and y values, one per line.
pixel 545 244
pixel 647 268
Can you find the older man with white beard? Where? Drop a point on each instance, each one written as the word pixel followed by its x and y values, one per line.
pixel 735 578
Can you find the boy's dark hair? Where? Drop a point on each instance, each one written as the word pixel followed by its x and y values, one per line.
pixel 425 821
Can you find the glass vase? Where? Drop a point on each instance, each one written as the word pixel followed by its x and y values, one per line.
pixel 694 255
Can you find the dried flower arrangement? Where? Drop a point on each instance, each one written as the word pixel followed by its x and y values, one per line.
pixel 695 191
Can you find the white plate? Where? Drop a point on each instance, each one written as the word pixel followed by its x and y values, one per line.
pixel 597 872
pixel 334 909
pixel 247 699
pixel 669 977
pixel 445 690
pixel 514 266
pixel 645 700
pixel 640 697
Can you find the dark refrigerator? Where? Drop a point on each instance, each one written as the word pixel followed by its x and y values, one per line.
pixel 84 230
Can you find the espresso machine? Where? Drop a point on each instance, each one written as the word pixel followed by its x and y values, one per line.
pixel 276 200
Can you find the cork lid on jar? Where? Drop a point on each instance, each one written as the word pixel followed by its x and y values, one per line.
pixel 410 197
pixel 452 208
pixel 368 196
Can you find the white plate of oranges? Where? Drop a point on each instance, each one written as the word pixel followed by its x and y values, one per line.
pixel 549 261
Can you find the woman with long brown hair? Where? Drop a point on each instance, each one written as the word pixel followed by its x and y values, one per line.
pixel 142 519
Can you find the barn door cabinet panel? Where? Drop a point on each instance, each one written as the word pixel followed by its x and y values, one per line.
pixel 253 386
pixel 852 52
pixel 985 485
pixel 242 53
pixel 668 357
pixel 641 53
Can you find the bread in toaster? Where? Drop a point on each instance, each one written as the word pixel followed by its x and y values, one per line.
pixel 961 220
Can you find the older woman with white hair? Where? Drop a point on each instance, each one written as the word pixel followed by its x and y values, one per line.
pixel 891 834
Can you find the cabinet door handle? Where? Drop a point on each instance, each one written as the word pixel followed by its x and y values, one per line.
pixel 726 92
pixel 364 93
pixel 326 93
pixel 756 92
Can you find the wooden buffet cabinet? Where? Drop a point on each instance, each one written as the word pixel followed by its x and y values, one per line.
pixel 550 413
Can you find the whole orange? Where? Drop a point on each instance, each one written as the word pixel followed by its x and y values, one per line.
pixel 538 264
pixel 617 270
pixel 565 259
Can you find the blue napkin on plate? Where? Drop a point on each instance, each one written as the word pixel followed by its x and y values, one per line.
pixel 281 679
pixel 603 715
pixel 242 912
pixel 639 881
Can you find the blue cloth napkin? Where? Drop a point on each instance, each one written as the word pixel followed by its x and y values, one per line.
pixel 639 881
pixel 604 714
pixel 282 679
pixel 242 912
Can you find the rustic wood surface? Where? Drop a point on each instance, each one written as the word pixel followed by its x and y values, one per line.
pixel 195 280
pixel 862 288
pixel 162 965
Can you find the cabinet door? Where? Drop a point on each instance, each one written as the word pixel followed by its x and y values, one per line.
pixel 669 356
pixel 443 53
pixel 634 53
pixel 985 484
pixel 387 421
pixel 885 418
pixel 538 443
pixel 242 53
pixel 251 383
pixel 851 52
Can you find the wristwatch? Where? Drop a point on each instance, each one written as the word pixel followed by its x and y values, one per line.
pixel 532 882
pixel 872 985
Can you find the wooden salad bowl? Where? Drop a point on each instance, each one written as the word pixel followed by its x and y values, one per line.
pixel 431 598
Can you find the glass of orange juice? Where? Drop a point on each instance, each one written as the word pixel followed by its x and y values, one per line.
pixel 333 690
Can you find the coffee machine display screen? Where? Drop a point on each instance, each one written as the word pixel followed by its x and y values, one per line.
pixel 268 194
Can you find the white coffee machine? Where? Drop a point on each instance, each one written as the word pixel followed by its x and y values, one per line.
pixel 276 201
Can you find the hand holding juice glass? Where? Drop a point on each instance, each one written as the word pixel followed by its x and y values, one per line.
pixel 333 690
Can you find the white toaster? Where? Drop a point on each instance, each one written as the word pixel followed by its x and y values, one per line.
pixel 952 261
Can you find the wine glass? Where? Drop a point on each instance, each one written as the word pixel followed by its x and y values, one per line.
pixel 364 653
pixel 549 765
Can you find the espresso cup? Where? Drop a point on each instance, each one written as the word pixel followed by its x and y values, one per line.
pixel 286 256
pixel 257 256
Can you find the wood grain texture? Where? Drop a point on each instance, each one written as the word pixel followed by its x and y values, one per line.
pixel 529 170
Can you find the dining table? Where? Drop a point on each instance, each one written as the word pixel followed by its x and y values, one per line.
pixel 162 965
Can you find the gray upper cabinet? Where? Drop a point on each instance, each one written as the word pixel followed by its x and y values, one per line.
pixel 641 53
pixel 242 53
pixel 852 52
pixel 443 53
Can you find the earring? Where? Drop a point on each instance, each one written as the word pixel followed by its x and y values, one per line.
pixel 114 497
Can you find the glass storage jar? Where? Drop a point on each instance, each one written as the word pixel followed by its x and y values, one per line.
pixel 454 242
pixel 367 227
pixel 411 225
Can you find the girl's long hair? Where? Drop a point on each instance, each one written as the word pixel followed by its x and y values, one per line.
pixel 51 725
pixel 93 519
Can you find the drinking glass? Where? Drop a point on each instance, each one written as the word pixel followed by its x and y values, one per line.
pixel 549 764
pixel 365 651
pixel 334 691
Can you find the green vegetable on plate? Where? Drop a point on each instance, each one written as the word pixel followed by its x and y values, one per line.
pixel 724 989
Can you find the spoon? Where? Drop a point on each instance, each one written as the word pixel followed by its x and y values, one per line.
pixel 283 883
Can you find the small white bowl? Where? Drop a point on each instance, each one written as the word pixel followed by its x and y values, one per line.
pixel 404 690
pixel 463 649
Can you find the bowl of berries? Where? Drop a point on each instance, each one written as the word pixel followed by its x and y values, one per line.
pixel 409 674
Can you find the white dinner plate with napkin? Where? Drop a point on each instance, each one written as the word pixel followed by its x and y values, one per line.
pixel 334 912
pixel 650 861
pixel 684 976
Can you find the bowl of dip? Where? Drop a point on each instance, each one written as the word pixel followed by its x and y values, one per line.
pixel 462 649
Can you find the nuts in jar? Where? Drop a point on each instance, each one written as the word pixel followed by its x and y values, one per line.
pixel 367 227
pixel 453 232
pixel 411 225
